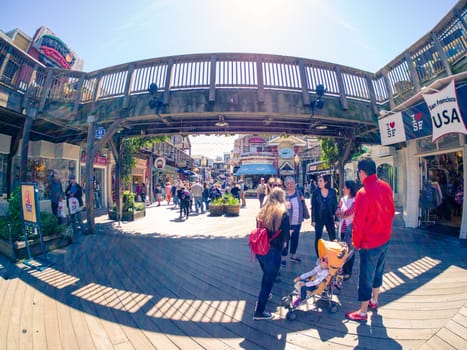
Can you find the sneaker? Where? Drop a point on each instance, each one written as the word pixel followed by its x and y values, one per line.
pixel 296 260
pixel 283 263
pixel 298 302
pixel 372 306
pixel 356 316
pixel 263 316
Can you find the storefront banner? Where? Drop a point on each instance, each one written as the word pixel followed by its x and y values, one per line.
pixel 391 129
pixel 445 112
pixel 417 121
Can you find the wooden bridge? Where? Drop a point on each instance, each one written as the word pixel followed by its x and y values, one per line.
pixel 223 93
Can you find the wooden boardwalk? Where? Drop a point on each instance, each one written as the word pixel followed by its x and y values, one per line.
pixel 161 283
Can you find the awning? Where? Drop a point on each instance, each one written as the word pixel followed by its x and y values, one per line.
pixel 256 169
pixel 185 172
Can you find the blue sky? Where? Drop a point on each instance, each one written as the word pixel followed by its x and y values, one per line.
pixel 364 34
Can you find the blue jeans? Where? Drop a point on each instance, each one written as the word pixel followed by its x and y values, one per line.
pixel 198 204
pixel 270 264
pixel 329 223
pixel 293 240
pixel 371 270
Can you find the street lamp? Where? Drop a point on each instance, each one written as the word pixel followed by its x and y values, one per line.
pixel 297 162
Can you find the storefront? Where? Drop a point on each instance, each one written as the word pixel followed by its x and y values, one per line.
pixel 441 181
pixel 434 134
pixel 99 177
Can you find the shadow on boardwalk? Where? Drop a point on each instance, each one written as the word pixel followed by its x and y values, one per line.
pixel 198 290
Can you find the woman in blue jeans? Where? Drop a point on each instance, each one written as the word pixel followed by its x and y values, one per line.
pixel 294 202
pixel 323 209
pixel 275 218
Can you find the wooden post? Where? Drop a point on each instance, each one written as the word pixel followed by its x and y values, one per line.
pixel 30 116
pixel 118 180
pixel 89 188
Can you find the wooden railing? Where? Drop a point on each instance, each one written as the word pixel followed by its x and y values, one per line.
pixel 431 57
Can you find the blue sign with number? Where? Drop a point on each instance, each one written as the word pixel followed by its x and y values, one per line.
pixel 100 132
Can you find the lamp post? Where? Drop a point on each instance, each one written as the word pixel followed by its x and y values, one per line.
pixel 203 167
pixel 297 168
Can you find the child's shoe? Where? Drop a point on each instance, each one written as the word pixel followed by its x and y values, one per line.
pixel 372 306
pixel 298 302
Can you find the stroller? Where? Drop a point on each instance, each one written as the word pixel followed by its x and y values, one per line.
pixel 337 254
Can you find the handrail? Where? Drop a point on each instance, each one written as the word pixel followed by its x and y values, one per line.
pixel 430 58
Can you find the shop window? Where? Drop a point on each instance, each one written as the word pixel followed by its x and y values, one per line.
pixel 38 169
pixel 426 145
pixel 386 172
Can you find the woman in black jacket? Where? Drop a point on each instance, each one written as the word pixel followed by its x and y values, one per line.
pixel 323 207
pixel 274 216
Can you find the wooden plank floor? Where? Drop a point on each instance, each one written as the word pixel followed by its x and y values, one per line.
pixel 163 283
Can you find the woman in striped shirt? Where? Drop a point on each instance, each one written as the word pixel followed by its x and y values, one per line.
pixel 345 212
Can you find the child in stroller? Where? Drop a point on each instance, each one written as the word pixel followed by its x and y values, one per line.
pixel 326 279
pixel 309 281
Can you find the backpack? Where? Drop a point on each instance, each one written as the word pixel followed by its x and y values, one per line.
pixel 259 240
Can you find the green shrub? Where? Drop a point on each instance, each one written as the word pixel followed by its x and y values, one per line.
pixel 128 200
pixel 49 223
pixel 230 200
pixel 139 206
pixel 217 201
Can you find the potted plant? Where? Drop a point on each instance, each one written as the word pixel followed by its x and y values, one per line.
pixel 231 205
pixel 130 209
pixel 216 207
pixel 12 242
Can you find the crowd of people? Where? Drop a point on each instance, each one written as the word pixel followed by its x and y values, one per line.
pixel 362 218
pixel 364 221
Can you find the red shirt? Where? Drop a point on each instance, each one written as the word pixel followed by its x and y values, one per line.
pixel 374 211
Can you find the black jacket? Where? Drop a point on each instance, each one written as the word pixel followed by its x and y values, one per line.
pixel 284 236
pixel 319 204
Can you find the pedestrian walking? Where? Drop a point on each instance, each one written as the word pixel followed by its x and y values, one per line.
pixel 274 216
pixel 295 202
pixel 75 191
pixel 261 192
pixel 323 207
pixel 55 191
pixel 371 233
pixel 345 213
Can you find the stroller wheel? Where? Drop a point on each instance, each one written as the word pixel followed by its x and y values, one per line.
pixel 291 316
pixel 285 301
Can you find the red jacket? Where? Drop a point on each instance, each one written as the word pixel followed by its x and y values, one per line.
pixel 374 211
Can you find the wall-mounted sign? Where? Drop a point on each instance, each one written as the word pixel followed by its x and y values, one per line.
pixel 256 140
pixel 445 113
pixel 286 152
pixel 99 159
pixel 100 132
pixel 52 51
pixel 159 163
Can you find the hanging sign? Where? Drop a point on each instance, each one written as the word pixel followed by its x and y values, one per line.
pixel 392 129
pixel 446 117
pixel 159 163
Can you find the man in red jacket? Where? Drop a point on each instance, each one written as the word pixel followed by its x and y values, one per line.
pixel 371 232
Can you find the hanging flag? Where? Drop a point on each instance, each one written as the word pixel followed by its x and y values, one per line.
pixel 446 116
pixel 391 129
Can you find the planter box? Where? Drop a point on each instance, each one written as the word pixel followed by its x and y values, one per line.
pixel 216 210
pixel 18 250
pixel 232 210
pixel 128 216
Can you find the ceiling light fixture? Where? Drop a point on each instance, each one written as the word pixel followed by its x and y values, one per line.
pixel 221 123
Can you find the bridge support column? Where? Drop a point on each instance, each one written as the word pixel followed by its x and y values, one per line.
pixel 89 187
pixel 31 114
